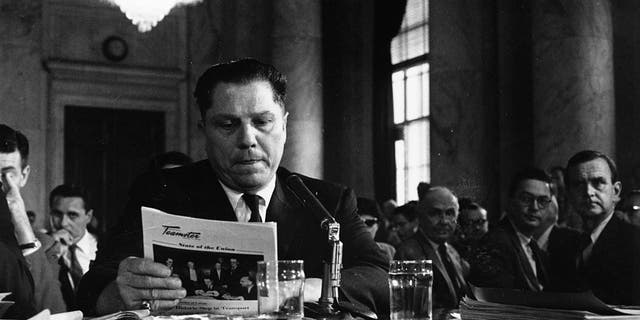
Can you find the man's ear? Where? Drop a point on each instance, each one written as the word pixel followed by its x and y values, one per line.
pixel 25 174
pixel 617 189
pixel 90 213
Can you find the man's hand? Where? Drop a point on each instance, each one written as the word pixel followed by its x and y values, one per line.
pixel 11 189
pixel 141 279
pixel 63 236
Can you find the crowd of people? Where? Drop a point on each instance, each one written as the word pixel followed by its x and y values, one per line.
pixel 528 248
pixel 243 121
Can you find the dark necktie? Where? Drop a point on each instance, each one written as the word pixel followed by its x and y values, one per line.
pixel 75 270
pixel 451 269
pixel 252 202
pixel 538 257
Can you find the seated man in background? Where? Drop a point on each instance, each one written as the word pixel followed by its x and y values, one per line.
pixel 404 223
pixel 508 256
pixel 70 215
pixel 370 213
pixel 473 225
pixel 437 213
pixel 242 105
pixel 608 261
pixel 40 251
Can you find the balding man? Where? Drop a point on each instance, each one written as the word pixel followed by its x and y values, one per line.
pixel 437 214
pixel 508 256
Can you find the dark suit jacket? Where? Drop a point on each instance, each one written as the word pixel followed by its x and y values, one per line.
pixel 417 247
pixel 14 271
pixel 613 269
pixel 194 191
pixel 561 250
pixel 499 261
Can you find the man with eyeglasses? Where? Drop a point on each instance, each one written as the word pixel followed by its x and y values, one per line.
pixel 473 226
pixel 370 214
pixel 608 261
pixel 508 256
pixel 437 214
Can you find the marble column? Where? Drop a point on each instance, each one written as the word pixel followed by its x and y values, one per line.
pixel 573 97
pixel 297 52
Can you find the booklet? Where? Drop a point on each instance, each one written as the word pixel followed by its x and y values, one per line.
pixel 216 260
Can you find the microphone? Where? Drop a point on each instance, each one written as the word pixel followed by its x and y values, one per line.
pixel 309 200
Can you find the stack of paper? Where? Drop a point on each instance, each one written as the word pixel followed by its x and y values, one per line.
pixel 522 305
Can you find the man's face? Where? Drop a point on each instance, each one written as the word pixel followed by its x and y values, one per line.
pixel 403 226
pixel 631 207
pixel 245 282
pixel 69 213
pixel 11 166
pixel 190 264
pixel 245 131
pixel 590 189
pixel 371 223
pixel 169 262
pixel 475 224
pixel 437 213
pixel 207 282
pixel 528 205
pixel 233 263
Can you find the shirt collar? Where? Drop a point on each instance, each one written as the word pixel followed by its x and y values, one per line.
pixel 543 240
pixel 524 240
pixel 265 193
pixel 595 234
pixel 85 243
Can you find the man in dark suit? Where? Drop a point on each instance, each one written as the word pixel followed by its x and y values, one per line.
pixel 437 213
pixel 508 256
pixel 609 259
pixel 244 125
pixel 556 241
pixel 39 256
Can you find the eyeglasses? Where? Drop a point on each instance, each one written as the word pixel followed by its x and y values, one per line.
pixel 474 223
pixel 370 221
pixel 528 199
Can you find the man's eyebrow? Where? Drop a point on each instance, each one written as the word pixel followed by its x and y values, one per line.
pixel 7 169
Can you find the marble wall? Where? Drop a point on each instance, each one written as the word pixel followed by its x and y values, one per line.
pixel 22 88
pixel 573 95
pixel 464 114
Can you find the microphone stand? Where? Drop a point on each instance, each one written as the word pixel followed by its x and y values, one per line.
pixel 324 308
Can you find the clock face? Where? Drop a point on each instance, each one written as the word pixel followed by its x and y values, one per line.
pixel 115 48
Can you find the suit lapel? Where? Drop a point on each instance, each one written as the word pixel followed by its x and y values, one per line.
pixel 431 254
pixel 283 209
pixel 523 261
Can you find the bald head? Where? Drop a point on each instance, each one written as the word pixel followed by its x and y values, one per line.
pixel 437 213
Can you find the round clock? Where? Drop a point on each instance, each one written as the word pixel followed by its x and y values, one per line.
pixel 115 48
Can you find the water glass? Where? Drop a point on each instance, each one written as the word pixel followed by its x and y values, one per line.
pixel 280 289
pixel 410 284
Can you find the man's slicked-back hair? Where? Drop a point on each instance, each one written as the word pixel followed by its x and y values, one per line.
pixel 241 71
pixel 12 140
pixel 588 155
pixel 69 191
pixel 530 173
pixel 408 210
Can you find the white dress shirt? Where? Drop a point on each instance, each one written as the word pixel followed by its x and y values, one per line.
pixel 242 210
pixel 86 249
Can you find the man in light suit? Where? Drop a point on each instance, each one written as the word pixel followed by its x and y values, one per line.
pixel 608 262
pixel 437 214
pixel 508 256
pixel 244 125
